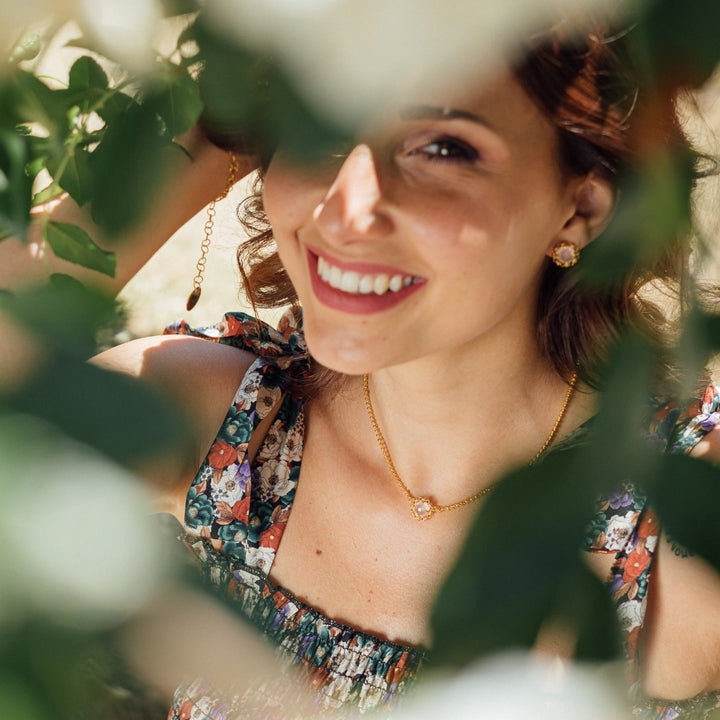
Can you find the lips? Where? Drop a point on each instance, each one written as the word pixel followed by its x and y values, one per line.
pixel 358 287
pixel 357 283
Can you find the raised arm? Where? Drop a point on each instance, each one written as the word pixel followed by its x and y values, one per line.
pixel 196 179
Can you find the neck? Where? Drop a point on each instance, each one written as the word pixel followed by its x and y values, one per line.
pixel 454 425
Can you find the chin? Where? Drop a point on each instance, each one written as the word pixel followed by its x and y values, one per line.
pixel 342 352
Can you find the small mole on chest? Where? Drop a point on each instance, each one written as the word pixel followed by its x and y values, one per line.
pixel 318 551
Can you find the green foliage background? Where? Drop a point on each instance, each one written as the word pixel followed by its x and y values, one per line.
pixel 107 139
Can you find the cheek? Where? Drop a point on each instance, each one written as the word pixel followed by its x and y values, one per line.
pixel 289 198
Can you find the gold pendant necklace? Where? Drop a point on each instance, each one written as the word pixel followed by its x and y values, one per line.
pixel 423 508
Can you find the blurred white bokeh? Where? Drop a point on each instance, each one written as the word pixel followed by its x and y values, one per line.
pixel 77 542
pixel 521 686
pixel 350 58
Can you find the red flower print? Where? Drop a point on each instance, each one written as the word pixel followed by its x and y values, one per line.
pixel 271 537
pixel 241 509
pixel 648 525
pixel 221 455
pixel 708 396
pixel 637 561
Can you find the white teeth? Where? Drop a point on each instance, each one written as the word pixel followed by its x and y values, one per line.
pixel 381 284
pixel 366 285
pixel 354 283
pixel 349 282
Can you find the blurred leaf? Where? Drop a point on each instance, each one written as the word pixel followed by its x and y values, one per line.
pixel 523 547
pixel 686 495
pixel 19 699
pixel 659 195
pixel 179 103
pixel 75 178
pixel 72 243
pixel 28 48
pixel 123 418
pixel 247 97
pixel 15 184
pixel 86 74
pixel 25 98
pixel 179 7
pixel 115 105
pixel 584 607
pixel 683 38
pixel 63 313
pixel 128 168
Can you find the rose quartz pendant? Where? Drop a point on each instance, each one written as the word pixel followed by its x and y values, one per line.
pixel 421 508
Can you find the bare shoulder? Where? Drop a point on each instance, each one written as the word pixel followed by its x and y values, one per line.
pixel 682 636
pixel 170 360
pixel 200 377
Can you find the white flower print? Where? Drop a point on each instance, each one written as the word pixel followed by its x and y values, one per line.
pixel 273 441
pixel 294 441
pixel 631 614
pixel 274 478
pixel 267 398
pixel 619 529
pixel 260 558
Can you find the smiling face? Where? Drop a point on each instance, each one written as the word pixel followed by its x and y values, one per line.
pixel 429 238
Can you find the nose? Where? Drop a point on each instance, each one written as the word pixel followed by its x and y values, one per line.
pixel 354 207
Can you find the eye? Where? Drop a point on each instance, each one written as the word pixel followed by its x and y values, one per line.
pixel 448 149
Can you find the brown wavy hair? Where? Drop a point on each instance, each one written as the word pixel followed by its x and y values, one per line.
pixel 608 120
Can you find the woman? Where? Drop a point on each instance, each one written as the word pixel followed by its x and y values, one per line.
pixel 431 263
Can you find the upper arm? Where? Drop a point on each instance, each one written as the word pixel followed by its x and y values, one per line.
pixel 681 638
pixel 200 377
pixel 190 186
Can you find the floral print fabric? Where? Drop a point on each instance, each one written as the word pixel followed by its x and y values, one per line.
pixel 236 514
pixel 235 517
pixel 626 525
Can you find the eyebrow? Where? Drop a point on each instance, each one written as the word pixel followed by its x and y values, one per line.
pixel 431 112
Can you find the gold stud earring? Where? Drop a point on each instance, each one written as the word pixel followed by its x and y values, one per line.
pixel 565 254
pixel 194 296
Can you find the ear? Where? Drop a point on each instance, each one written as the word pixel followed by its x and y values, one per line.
pixel 593 203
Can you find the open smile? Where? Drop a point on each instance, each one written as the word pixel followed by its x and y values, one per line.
pixel 358 287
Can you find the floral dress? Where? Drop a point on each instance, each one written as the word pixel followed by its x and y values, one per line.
pixel 235 517
pixel 625 525
pixel 234 520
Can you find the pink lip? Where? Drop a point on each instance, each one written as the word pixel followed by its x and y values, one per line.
pixel 356 304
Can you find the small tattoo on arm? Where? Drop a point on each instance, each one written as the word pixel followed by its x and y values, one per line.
pixel 678 549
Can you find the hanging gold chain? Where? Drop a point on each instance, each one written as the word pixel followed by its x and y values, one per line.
pixel 233 170
pixel 423 508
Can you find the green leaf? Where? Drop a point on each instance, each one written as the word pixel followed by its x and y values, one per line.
pixel 86 74
pixel 63 313
pixel 114 105
pixel 72 243
pixel 15 184
pixel 653 209
pixel 179 104
pixel 128 168
pixel 686 494
pixel 76 179
pixel 520 556
pixel 26 99
pixel 125 419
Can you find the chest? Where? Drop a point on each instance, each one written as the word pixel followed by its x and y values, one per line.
pixel 352 549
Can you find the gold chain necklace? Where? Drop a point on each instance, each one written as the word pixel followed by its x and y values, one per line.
pixel 423 508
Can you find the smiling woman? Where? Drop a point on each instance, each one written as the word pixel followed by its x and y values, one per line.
pixel 440 335
pixel 429 265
